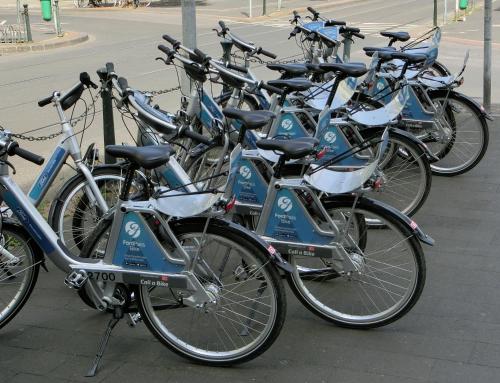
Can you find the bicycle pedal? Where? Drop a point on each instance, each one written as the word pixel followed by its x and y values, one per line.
pixel 76 280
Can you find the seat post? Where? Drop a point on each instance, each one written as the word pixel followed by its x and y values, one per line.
pixel 279 166
pixel 241 135
pixel 127 184
pixel 335 86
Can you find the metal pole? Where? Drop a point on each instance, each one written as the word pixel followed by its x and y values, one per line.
pixel 250 9
pixel 188 36
pixel 487 55
pixel 29 37
pixel 279 5
pixel 57 22
pixel 445 15
pixel 18 8
pixel 264 6
pixel 435 13
pixel 456 10
pixel 107 114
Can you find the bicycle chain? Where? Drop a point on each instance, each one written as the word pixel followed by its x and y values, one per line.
pixel 54 135
pixel 259 61
pixel 159 92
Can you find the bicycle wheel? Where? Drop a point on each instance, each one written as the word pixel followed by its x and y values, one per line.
pixel 250 301
pixel 72 214
pixel 201 168
pixel 466 136
pixel 389 272
pixel 406 174
pixel 17 276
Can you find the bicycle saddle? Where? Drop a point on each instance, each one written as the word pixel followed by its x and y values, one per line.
pixel 292 149
pixel 147 157
pixel 289 70
pixel 371 50
pixel 397 36
pixel 254 119
pixel 291 85
pixel 410 58
pixel 345 70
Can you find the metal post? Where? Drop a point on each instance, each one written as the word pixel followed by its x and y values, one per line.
pixel 250 8
pixel 456 10
pixel 18 12
pixel 445 15
pixel 57 22
pixel 27 25
pixel 264 7
pixel 188 36
pixel 487 55
pixel 279 5
pixel 435 13
pixel 107 115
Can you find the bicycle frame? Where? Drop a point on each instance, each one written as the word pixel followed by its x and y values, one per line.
pixel 67 146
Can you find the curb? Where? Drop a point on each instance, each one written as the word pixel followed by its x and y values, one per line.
pixel 288 11
pixel 69 39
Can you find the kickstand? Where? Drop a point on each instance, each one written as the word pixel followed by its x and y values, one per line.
pixel 117 315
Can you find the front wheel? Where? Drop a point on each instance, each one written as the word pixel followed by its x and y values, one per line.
pixel 374 285
pixel 18 271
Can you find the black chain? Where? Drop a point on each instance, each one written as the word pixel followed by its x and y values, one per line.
pixel 73 123
pixel 159 92
pixel 259 61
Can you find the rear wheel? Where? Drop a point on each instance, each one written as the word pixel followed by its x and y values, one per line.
pixel 248 307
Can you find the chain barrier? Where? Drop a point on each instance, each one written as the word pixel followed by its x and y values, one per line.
pixel 160 92
pixel 73 123
pixel 260 61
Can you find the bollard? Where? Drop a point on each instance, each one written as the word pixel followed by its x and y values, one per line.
pixel 107 113
pixel 57 22
pixel 487 55
pixel 226 57
pixel 264 7
pixel 29 37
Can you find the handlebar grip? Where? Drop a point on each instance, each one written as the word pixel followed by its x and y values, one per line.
pixel 110 67
pixel 86 80
pixel 123 83
pixel 27 155
pixel 197 137
pixel 165 49
pixel 271 89
pixel 267 53
pixel 359 35
pixel 314 12
pixel 45 101
pixel 334 23
pixel 223 26
pixel 295 14
pixel 236 67
pixel 171 40
pixel 201 55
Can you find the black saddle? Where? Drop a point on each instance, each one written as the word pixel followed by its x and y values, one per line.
pixel 289 70
pixel 291 85
pixel 410 58
pixel 254 119
pixel 397 36
pixel 345 70
pixel 292 149
pixel 147 157
pixel 371 50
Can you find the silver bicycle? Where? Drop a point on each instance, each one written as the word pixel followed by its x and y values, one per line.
pixel 205 287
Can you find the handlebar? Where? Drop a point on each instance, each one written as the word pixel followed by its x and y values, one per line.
pixel 271 89
pixel 271 55
pixel 236 67
pixel 314 13
pixel 196 137
pixel 334 23
pixel 170 39
pixel 14 149
pixel 45 101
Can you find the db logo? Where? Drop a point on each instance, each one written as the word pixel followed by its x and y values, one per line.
pixel 330 137
pixel 287 124
pixel 285 204
pixel 245 172
pixel 132 229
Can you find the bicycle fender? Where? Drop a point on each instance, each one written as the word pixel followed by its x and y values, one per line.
pixel 395 213
pixel 473 103
pixel 416 141
pixel 39 255
pixel 227 225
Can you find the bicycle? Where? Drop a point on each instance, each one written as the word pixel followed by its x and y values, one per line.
pixel 205 269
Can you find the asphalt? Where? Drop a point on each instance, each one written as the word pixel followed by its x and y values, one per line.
pixel 452 334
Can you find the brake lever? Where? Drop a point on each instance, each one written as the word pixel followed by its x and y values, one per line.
pixel 162 59
pixel 219 33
